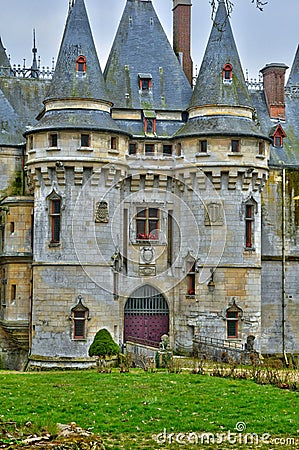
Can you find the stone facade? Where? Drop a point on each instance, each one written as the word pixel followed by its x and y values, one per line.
pixel 147 207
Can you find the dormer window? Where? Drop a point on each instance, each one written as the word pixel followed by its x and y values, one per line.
pixel 227 73
pixel 149 122
pixel 145 82
pixel 81 64
pixel 278 136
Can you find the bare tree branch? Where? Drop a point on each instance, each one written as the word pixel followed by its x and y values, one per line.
pixel 230 5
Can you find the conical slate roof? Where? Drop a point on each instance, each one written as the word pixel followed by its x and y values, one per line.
pixel 294 74
pixel 5 67
pixel 11 125
pixel 221 49
pixel 77 40
pixel 69 84
pixel 141 48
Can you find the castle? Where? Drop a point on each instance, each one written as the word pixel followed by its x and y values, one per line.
pixel 144 201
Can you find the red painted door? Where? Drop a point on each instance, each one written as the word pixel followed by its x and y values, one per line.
pixel 146 317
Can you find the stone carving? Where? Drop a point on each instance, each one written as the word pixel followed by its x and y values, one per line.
pixel 213 214
pixel 102 212
pixel 147 255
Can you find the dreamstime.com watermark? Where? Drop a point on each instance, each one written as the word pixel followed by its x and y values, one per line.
pixel 239 436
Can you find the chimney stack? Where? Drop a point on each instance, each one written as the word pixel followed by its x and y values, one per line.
pixel 182 35
pixel 274 81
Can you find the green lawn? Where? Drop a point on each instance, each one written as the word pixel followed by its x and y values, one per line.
pixel 128 409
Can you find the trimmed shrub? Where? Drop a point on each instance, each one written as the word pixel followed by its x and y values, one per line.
pixel 103 345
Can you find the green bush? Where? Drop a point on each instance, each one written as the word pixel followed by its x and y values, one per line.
pixel 103 345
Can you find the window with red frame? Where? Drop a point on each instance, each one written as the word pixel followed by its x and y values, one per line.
pixel 150 125
pixel 81 64
pixel 249 222
pixel 147 223
pixel 55 219
pixel 145 84
pixel 191 280
pixel 232 322
pixel 278 137
pixel 227 73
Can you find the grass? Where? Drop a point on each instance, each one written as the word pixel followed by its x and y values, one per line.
pixel 127 409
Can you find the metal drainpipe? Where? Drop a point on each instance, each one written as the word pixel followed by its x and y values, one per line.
pixel 283 267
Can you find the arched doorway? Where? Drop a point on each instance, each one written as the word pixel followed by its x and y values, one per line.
pixel 146 316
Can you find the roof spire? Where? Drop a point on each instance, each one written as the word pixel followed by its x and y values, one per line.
pixel 221 52
pixel 34 67
pixel 294 74
pixel 5 67
pixel 71 80
pixel 141 48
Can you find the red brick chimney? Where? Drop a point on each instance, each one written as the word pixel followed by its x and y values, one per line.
pixel 182 35
pixel 274 80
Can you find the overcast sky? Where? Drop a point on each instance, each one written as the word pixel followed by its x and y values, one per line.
pixel 262 37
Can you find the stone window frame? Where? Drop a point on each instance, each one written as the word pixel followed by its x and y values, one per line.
pixel 249 211
pixel 54 207
pixel 53 139
pixel 235 145
pixel 233 316
pixel 145 222
pixel 79 318
pixel 85 140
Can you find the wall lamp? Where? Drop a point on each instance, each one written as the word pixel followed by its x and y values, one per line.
pixel 211 283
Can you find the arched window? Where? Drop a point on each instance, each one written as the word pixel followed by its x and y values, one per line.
pixel 81 64
pixel 227 73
